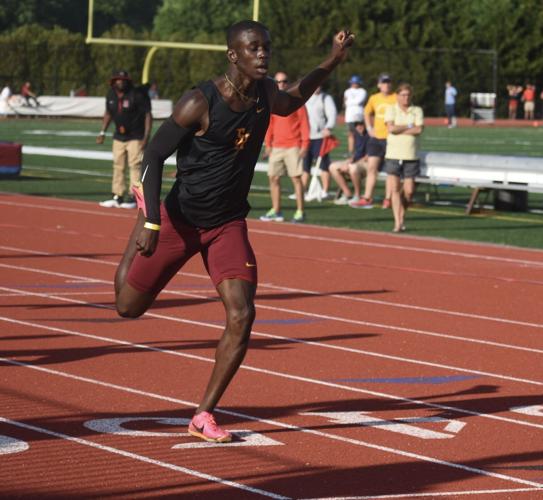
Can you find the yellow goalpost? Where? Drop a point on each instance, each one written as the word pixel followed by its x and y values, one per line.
pixel 154 44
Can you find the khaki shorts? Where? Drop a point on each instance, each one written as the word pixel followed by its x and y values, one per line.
pixel 362 168
pixel 285 161
pixel 529 106
pixel 360 165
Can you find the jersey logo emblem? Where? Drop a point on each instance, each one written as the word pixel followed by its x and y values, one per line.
pixel 248 264
pixel 259 110
pixel 242 138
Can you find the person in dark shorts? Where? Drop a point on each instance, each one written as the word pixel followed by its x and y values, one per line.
pixel 374 113
pixel 405 123
pixel 217 129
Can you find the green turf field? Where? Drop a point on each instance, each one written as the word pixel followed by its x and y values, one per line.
pixel 438 213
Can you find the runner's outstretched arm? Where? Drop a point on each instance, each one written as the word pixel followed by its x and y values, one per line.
pixel 188 117
pixel 286 102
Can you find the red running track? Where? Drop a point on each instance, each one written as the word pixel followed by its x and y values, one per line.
pixel 380 366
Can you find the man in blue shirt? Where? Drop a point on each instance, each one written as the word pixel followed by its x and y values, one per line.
pixel 450 102
pixel 354 168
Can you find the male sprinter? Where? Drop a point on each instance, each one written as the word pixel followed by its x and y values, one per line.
pixel 217 129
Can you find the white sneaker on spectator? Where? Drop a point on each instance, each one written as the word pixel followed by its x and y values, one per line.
pixel 342 200
pixel 292 196
pixel 272 216
pixel 325 195
pixel 354 199
pixel 129 203
pixel 115 202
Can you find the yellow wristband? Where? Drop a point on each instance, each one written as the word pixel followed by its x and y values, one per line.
pixel 150 225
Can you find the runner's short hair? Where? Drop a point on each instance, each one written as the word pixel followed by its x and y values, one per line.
pixel 237 28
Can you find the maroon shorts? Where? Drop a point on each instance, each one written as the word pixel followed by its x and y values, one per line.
pixel 225 250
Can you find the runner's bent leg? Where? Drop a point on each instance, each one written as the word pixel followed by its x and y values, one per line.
pixel 130 302
pixel 238 298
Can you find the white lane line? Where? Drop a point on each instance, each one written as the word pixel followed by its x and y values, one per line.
pixel 327 239
pixel 391 246
pixel 398 328
pixel 272 373
pixel 337 296
pixel 428 495
pixel 276 423
pixel 402 359
pixel 106 213
pixel 404 306
pixel 61 294
pixel 333 318
pixel 142 458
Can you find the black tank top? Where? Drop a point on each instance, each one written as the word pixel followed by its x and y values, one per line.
pixel 215 170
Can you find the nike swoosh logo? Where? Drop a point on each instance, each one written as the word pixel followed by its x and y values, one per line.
pixel 144 173
pixel 248 264
pixel 259 110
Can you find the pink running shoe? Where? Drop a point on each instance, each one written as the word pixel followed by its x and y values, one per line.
pixel 386 203
pixel 137 190
pixel 361 203
pixel 203 425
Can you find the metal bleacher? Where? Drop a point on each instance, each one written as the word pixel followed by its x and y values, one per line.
pixel 482 172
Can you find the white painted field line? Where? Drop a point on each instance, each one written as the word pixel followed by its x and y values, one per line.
pixel 342 241
pixel 272 373
pixel 139 458
pixel 456 494
pixel 276 423
pixel 288 339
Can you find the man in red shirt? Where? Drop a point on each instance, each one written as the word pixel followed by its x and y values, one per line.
pixel 28 93
pixel 528 97
pixel 286 141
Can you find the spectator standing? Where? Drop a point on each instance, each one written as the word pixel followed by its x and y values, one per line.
pixel 374 117
pixel 287 142
pixel 28 94
pixel 515 93
pixel 217 129
pixel 5 97
pixel 355 168
pixel 353 100
pixel 322 114
pixel 450 104
pixel 405 123
pixel 528 98
pixel 130 110
pixel 153 91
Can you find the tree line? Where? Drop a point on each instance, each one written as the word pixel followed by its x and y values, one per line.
pixel 480 45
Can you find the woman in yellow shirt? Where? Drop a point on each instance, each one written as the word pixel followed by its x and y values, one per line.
pixel 404 123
